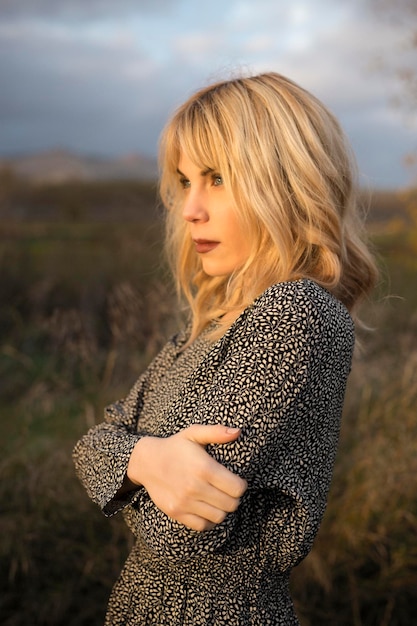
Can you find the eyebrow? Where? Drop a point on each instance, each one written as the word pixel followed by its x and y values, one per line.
pixel 209 170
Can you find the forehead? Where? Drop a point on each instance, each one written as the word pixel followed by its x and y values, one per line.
pixel 196 141
pixel 188 164
pixel 194 162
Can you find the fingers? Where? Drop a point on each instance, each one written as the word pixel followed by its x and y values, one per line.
pixel 211 471
pixel 216 433
pixel 209 514
pixel 200 515
pixel 196 523
pixel 219 501
pixel 197 497
pixel 183 480
pixel 196 491
pixel 226 481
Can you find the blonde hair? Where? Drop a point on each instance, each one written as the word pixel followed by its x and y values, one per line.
pixel 290 171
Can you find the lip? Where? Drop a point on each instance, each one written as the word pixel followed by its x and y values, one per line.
pixel 203 246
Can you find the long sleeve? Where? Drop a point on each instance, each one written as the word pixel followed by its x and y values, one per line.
pixel 102 455
pixel 279 374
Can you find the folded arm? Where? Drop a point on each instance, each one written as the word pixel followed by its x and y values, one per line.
pixel 283 386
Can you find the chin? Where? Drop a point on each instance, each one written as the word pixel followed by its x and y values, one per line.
pixel 214 271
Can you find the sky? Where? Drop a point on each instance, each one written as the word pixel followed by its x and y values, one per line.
pixel 101 77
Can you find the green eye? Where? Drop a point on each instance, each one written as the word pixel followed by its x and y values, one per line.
pixel 185 183
pixel 217 180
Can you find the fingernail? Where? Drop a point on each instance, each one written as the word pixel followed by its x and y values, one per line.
pixel 232 431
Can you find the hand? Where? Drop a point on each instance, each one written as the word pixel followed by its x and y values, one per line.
pixel 183 480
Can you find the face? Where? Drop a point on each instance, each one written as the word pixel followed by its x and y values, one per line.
pixel 214 227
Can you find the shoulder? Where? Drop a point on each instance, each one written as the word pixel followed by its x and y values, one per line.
pixel 301 304
pixel 304 296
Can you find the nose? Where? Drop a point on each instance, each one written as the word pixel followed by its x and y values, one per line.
pixel 194 209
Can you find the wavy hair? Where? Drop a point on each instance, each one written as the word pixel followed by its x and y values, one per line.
pixel 292 176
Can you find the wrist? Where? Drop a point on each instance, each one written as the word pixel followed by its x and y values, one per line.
pixel 137 462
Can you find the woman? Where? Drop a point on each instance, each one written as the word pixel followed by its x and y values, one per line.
pixel 221 456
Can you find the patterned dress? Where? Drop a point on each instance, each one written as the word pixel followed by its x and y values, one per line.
pixel 279 373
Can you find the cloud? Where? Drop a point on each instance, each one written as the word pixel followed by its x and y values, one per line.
pixel 81 9
pixel 102 76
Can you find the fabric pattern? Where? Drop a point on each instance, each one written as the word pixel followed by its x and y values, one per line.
pixel 279 373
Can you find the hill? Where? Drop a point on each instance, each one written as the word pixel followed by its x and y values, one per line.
pixel 59 166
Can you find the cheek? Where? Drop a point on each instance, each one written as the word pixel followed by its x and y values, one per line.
pixel 242 235
pixel 242 245
pixel 238 235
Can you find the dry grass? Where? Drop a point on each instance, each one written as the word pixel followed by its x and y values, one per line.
pixel 85 306
pixel 367 545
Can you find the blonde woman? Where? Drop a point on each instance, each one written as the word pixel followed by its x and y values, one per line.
pixel 221 455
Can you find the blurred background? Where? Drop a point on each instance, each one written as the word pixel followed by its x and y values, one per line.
pixel 86 301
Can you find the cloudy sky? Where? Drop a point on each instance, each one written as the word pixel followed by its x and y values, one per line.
pixel 101 76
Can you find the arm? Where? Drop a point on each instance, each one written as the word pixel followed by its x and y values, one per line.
pixel 282 381
pixel 102 455
pixel 114 461
pixel 183 480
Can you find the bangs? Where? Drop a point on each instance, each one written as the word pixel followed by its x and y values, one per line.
pixel 195 131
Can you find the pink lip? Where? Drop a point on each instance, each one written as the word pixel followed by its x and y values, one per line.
pixel 204 245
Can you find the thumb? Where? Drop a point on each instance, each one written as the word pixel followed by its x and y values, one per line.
pixel 206 434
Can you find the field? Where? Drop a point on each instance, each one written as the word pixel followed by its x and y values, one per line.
pixel 85 304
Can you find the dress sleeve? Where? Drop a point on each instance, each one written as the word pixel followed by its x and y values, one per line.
pixel 102 455
pixel 280 378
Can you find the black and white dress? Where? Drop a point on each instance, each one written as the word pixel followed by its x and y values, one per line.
pixel 279 373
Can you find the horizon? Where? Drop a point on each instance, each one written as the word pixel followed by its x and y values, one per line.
pixel 37 176
pixel 102 80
